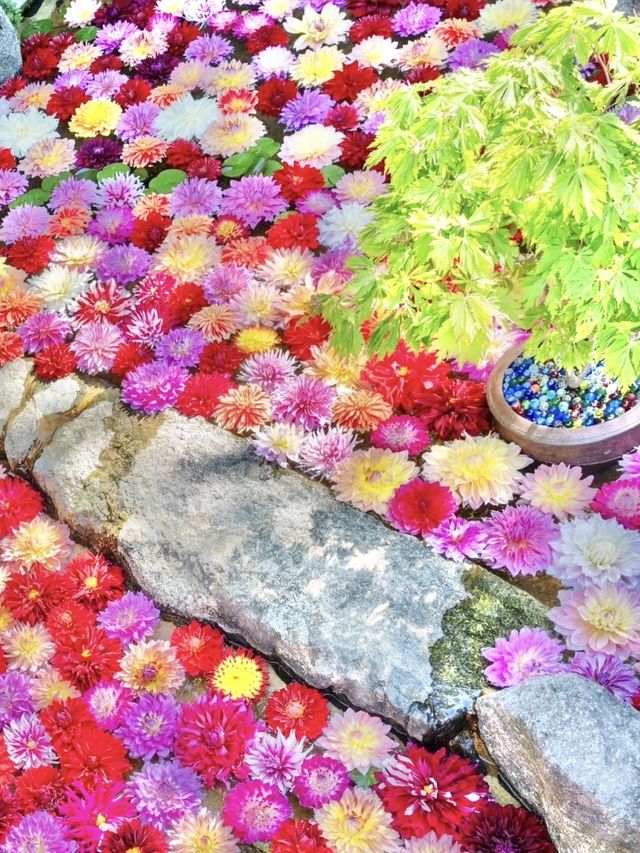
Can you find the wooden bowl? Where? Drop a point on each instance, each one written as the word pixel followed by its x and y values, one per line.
pixel 592 447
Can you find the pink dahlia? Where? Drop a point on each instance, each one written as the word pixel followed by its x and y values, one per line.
pixel 519 539
pixel 600 619
pixel 95 346
pixel 610 672
pixel 629 464
pixel 458 539
pixel 620 500
pixel 524 654
pixel 401 432
pixel 153 387
pixel 255 811
pixel 275 759
pixel 419 507
pixel 320 781
pixel 303 401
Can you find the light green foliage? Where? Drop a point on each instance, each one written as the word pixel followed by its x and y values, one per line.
pixel 527 143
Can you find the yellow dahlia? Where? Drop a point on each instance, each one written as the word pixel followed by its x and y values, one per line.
pixel 478 469
pixel 28 647
pixel 428 50
pixel 188 258
pixel 241 675
pixel 256 339
pixel 98 117
pixel 39 541
pixel 229 75
pixel 369 478
pixel 34 95
pixel 315 67
pixel 201 833
pixel 357 823
pixel 193 74
pixel 505 14
pixel 151 667
pixel 49 157
pixel 77 56
pixel 558 489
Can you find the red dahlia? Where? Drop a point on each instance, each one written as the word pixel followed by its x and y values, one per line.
pixel 18 503
pixel 9 812
pixel 54 362
pixel 181 37
pixel 355 148
pixel 93 757
pixel 184 302
pixel 423 74
pixel 133 835
pixel 39 64
pixel 10 347
pixel 7 160
pixel 94 580
pixel 30 254
pixel 301 335
pixel 69 619
pixel 182 152
pixel 134 91
pixel 208 168
pixel 31 595
pixel 270 36
pixel 504 828
pixel 343 117
pixel 106 63
pixel 222 357
pixel 129 356
pixel 7 767
pixel 150 232
pixel 295 181
pixel 199 647
pixel 371 25
pixel 349 81
pixel 201 394
pixel 403 376
pixel 298 836
pixel 64 102
pixel 418 507
pixel 274 94
pixel 453 407
pixel 427 791
pixel 295 230
pixel 40 788
pixel 64 721
pixel 87 657
pixel 298 709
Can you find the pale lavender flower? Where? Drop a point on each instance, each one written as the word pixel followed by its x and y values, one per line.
pixel 524 654
pixel 273 61
pixel 162 793
pixel 317 202
pixel 457 538
pixel 74 192
pixel 472 53
pixel 106 84
pixel 251 22
pixel 95 346
pixel 209 48
pixel 323 449
pixel 268 369
pixel 76 77
pixel 28 744
pixel 15 696
pixel 181 346
pixel 153 387
pixel 124 264
pixel 224 282
pixel 38 831
pixel 304 401
pixel 415 19
pixel 145 327
pixel 108 701
pixel 12 184
pixel 628 113
pixel 629 464
pixel 129 619
pixel 609 671
pixel 138 120
pixel 113 225
pixel 275 759
pixel 110 37
pixel 120 191
pixel 279 443
pixel 309 107
pixel 253 199
pixel 195 197
pixel 27 220
pixel 44 330
pixel 149 726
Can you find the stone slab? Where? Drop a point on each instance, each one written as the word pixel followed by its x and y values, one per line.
pixel 10 55
pixel 572 751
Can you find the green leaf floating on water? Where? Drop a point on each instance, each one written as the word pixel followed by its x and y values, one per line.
pixel 50 183
pixel 332 175
pixel 364 780
pixel 112 170
pixel 36 197
pixel 167 180
pixel 86 34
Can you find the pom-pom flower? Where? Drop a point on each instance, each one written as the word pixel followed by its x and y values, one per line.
pixel 368 479
pixel 524 654
pixel 357 739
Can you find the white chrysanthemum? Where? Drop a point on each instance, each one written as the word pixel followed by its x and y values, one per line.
pixel 81 252
pixel 199 11
pixel 314 29
pixel 314 145
pixel 273 61
pixel 376 51
pixel 28 647
pixel 280 443
pixel 342 225
pixel 361 187
pixel 504 14
pixel 58 286
pixel 19 131
pixel 141 45
pixel 286 267
pixel 279 9
pixel 201 833
pixel 186 118
pixel 597 551
pixel 80 12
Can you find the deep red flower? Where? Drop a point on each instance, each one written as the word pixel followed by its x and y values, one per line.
pixel 11 86
pixel 134 91
pixel 301 335
pixel 418 507
pixel 9 812
pixel 40 788
pixel 181 37
pixel 355 148
pixel 64 102
pixel 130 355
pixel 403 376
pixel 10 347
pixel 295 230
pixel 298 709
pixel 270 36
pixel 298 836
pixel 209 168
pixel 349 81
pixel 360 8
pixel 636 701
pixel 64 721
pixel 94 580
pixel 30 254
pixel 184 302
pixel 221 357
pixel 274 94
pixel 149 233
pixel 453 407
pixel 199 647
pixel 93 757
pixel 18 503
pixel 7 160
pixel 467 9
pixel 87 657
pixel 344 117
pixel 54 362
pixel 106 63
pixel 31 595
pixel 371 25
pixel 295 181
pixel 423 74
pixel 69 618
pixel 182 152
pixel 504 828
pixel 7 767
pixel 133 835
pixel 41 63
pixel 427 791
pixel 202 392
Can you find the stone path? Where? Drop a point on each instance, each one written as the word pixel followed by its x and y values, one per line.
pixel 210 532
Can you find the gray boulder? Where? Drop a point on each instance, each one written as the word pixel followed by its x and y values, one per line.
pixel 10 55
pixel 572 751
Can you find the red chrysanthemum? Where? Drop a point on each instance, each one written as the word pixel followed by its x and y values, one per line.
pixel 301 335
pixel 295 181
pixel 14 84
pixel 7 160
pixel 31 595
pixel 182 152
pixel 94 757
pixel 199 647
pixel 360 8
pixel 30 254
pixel 344 117
pixel 295 230
pixel 201 394
pixel 130 355
pixel 106 63
pixel 9 812
pixel 64 102
pixel 274 94
pixel 87 657
pixel 64 721
pixel 184 302
pixel 214 731
pixel 371 25
pixel 423 74
pixel 403 376
pixel 418 507
pixel 18 503
pixel 94 580
pixel 298 709
pixel 55 362
pixel 355 148
pixel 221 357
pixel 40 788
pixel 269 36
pixel 250 252
pixel 298 836
pixel 40 64
pixel 349 81
pixel 7 767
pixel 453 407
pixel 149 233
pixel 507 828
pixel 427 791
pixel 69 618
pixel 209 168
pixel 10 347
pixel 181 36
pixel 132 92
pixel 133 835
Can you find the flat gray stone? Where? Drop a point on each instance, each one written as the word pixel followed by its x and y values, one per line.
pixel 572 751
pixel 13 379
pixel 10 55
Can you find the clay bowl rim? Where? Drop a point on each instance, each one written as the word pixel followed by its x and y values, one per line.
pixel 550 436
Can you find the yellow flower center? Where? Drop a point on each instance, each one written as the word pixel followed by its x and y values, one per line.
pixel 91 582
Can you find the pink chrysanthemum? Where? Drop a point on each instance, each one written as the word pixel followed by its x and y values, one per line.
pixel 153 387
pixel 253 199
pixel 558 489
pixel 275 759
pixel 255 811
pixel 620 500
pixel 322 450
pixel 268 369
pixel 519 539
pixel 303 401
pixel 223 283
pixel 108 701
pixel 320 781
pixel 401 432
pixel 600 619
pixel 95 347
pixel 629 464
pixel 44 330
pixel 524 654
pixel 28 744
pixel 357 739
pixel 458 539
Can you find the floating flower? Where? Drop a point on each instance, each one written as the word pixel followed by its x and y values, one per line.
pixel 297 709
pixel 519 539
pixel 322 450
pixel 243 408
pixel 609 671
pixel 38 830
pixel 401 432
pixel 28 744
pixel 357 739
pixel 39 541
pixel 303 401
pixel 558 489
pixel 496 826
pixel 321 780
pixel 432 843
pixel 368 479
pixel 526 653
pixel 18 503
pixel 418 507
pixel 279 443
pixel 164 792
pixel 151 667
pixel 28 647
pixel 297 835
pixel 620 500
pixel 199 647
pixel 154 387
pixel 98 117
pixel 240 674
pixel 358 822
pixel 255 811
pixel 275 759
pixel 130 618
pixel 360 409
pixel 201 833
pixel 315 145
pixel 595 550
